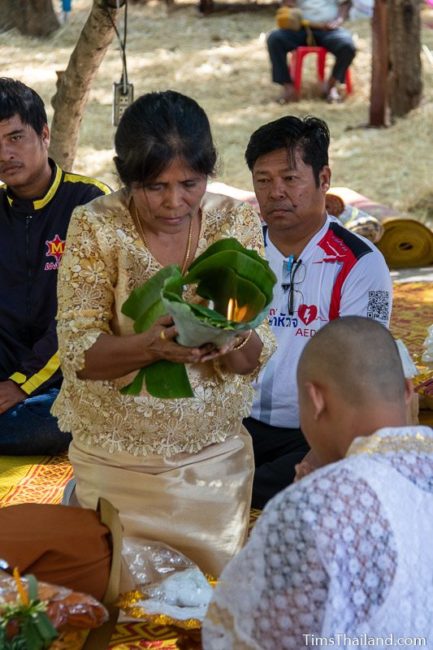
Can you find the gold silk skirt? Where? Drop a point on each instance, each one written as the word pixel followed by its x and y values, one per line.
pixel 198 504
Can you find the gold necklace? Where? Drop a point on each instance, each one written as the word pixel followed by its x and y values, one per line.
pixel 139 225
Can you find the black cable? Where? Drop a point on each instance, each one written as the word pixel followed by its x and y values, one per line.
pixel 122 43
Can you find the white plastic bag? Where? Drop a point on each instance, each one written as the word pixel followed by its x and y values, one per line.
pixel 427 356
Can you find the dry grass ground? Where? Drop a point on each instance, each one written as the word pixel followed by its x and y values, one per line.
pixel 221 61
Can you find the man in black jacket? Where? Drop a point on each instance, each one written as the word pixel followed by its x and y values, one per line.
pixel 36 202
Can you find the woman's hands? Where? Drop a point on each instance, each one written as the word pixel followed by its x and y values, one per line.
pixel 111 356
pixel 161 343
pixel 239 355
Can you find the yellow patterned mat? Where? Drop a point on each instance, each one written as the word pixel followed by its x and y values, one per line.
pixel 25 479
pixel 411 317
pixel 412 314
pixel 135 636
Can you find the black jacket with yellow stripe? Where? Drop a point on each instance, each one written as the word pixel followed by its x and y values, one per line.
pixel 32 241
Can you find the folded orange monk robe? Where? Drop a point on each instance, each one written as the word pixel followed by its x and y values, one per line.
pixel 58 544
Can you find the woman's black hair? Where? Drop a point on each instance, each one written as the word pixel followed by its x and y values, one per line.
pixel 18 99
pixel 157 128
pixel 308 135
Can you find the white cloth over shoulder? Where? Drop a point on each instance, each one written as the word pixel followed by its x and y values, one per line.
pixel 346 554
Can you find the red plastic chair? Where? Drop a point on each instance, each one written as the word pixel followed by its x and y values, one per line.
pixel 297 57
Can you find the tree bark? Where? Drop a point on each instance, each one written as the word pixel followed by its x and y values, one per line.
pixel 74 83
pixel 7 17
pixel 405 80
pixel 30 17
pixel 379 66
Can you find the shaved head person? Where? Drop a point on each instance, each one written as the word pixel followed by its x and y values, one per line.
pixel 351 383
pixel 344 554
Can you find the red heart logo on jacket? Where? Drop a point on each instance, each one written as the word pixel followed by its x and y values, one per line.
pixel 307 313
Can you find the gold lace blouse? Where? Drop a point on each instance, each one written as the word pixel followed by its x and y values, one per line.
pixel 104 260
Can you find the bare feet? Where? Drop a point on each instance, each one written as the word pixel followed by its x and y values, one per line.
pixel 289 94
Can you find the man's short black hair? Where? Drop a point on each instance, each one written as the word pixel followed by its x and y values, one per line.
pixel 308 135
pixel 18 99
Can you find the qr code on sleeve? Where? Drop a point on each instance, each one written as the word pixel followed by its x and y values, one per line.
pixel 378 305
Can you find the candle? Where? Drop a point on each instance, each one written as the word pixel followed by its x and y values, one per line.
pixel 22 592
pixel 234 312
pixel 230 309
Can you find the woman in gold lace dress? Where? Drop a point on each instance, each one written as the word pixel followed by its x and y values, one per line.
pixel 178 470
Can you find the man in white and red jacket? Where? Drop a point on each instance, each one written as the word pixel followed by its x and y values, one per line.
pixel 323 271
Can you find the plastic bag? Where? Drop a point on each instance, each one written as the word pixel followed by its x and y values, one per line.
pixel 427 356
pixel 171 589
pixel 409 368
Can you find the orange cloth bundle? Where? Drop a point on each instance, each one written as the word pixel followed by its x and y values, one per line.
pixel 288 18
pixel 58 544
pixel 291 18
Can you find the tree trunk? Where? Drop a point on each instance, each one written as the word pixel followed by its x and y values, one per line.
pixel 74 83
pixel 7 15
pixel 379 67
pixel 405 81
pixel 205 7
pixel 30 17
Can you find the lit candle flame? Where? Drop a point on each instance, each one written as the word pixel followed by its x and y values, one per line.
pixel 22 591
pixel 234 312
pixel 230 309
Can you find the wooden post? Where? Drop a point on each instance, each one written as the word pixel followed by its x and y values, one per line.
pixel 379 65
pixel 405 80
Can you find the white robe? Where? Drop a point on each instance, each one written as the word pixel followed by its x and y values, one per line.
pixel 345 555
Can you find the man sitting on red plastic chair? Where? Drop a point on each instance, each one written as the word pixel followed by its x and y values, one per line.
pixel 320 20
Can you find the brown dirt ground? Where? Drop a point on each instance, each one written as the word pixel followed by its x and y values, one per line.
pixel 221 61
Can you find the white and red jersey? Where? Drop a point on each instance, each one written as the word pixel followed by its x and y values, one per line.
pixel 337 274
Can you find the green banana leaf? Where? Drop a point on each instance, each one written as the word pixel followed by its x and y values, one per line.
pixel 226 270
pixel 231 285
pixel 144 305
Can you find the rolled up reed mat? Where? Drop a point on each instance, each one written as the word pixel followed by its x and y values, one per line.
pixel 405 243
